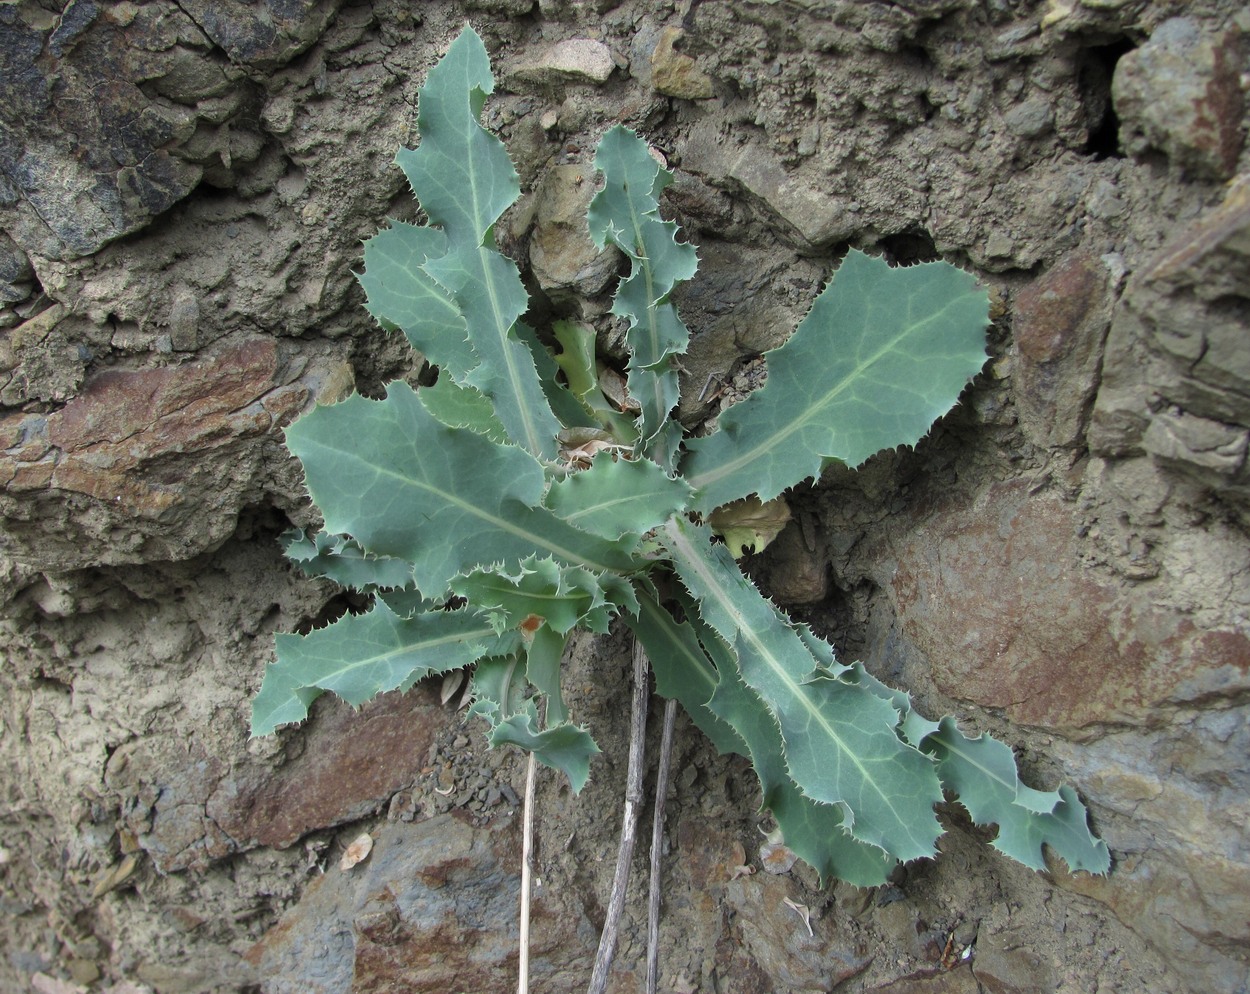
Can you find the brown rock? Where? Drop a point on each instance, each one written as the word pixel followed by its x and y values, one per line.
pixel 956 981
pixel 776 938
pixel 192 808
pixel 1181 93
pixel 565 261
pixel 147 447
pixel 434 909
pixel 1005 964
pixel 1008 618
pixel 675 74
pixel 1061 322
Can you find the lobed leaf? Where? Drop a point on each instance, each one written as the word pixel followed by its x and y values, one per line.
pixel 840 739
pixel 616 497
pixel 361 656
pixel 401 294
pixel 448 500
pixel 339 558
pixel 625 212
pixel 463 178
pixel 882 354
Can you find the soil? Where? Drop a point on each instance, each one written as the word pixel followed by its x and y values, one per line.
pixel 1063 562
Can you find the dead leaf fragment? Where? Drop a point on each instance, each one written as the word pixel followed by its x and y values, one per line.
pixel 357 851
pixel 749 523
pixel 115 876
pixel 803 911
pixel 452 682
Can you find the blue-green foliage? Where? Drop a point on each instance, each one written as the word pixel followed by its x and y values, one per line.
pixel 469 513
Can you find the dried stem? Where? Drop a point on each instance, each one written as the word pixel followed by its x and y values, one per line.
pixel 629 827
pixel 657 842
pixel 527 874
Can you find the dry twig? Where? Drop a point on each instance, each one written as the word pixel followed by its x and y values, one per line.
pixel 657 841
pixel 629 827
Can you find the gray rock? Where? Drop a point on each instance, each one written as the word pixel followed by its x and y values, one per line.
pixel 1030 119
pixel 1181 93
pixel 577 60
pixel 564 260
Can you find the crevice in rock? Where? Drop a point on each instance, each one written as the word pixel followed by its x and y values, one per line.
pixel 1095 70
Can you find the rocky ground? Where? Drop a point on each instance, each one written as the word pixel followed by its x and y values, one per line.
pixel 1063 562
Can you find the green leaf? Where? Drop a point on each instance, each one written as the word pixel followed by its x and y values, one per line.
pixel 982 771
pixel 616 497
pixel 342 560
pixel 816 832
pixel 464 180
pixel 567 748
pixel 446 499
pixel 882 354
pixel 499 698
pixel 361 656
pixel 626 212
pixel 542 591
pixel 581 369
pixel 840 739
pixel 543 658
pixel 462 407
pixel 682 669
pixel 401 294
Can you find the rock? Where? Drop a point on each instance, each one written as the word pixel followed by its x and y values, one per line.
pixel 189 807
pixel 38 360
pixel 1181 93
pixel 1005 964
pixel 796 574
pixel 16 272
pixel 1211 253
pixel 1035 635
pixel 1061 321
pixel 164 458
pixel 265 34
pixel 815 217
pixel 435 908
pixel 1195 905
pixel 957 981
pixel 675 74
pixel 577 60
pixel 1030 119
pixel 1178 323
pixel 1193 442
pixel 772 939
pixel 564 260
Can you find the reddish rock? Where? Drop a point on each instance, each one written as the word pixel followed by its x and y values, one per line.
pixel 167 453
pixel 1181 92
pixel 189 808
pixel 1060 325
pixel 1009 618
pixel 351 762
pixel 434 909
pixel 956 981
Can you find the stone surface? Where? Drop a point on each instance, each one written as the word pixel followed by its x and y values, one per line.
pixel 977 594
pixel 432 909
pixel 565 261
pixel 815 218
pixel 675 74
pixel 1181 92
pixel 136 444
pixel 183 193
pixel 577 60
pixel 1060 324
